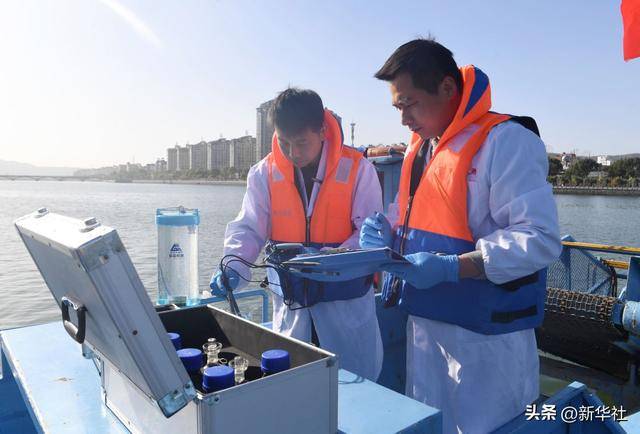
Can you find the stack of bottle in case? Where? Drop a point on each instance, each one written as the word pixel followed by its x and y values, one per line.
pixel 217 372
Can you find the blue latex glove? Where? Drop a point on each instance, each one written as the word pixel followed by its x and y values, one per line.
pixel 425 270
pixel 217 286
pixel 376 232
pixel 310 250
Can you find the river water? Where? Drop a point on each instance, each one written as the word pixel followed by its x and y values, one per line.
pixel 130 208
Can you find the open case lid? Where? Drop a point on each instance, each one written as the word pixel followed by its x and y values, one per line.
pixel 93 280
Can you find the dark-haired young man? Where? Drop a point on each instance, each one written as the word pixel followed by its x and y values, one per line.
pixel 478 223
pixel 311 189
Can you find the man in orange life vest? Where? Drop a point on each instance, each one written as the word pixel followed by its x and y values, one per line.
pixel 310 189
pixel 477 221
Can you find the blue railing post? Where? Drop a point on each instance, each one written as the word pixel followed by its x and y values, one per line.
pixel 633 280
pixel 245 294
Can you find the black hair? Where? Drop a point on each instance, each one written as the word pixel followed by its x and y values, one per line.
pixel 294 110
pixel 426 61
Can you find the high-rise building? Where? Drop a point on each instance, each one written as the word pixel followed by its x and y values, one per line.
pixel 184 158
pixel 218 154
pixel 198 156
pixel 172 159
pixel 264 130
pixel 243 152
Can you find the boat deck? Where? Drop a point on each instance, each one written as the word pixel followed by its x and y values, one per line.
pixel 57 390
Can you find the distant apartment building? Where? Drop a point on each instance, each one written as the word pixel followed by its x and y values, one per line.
pixel 264 131
pixel 218 154
pixel 172 159
pixel 242 152
pixel 198 156
pixel 184 158
pixel 134 167
pixel 606 160
pixel 161 165
pixel 567 160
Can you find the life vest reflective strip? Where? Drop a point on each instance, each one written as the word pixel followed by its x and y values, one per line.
pixel 330 223
pixel 438 221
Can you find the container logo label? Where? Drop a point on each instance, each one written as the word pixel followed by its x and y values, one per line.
pixel 176 251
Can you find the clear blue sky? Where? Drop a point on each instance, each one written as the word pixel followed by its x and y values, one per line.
pixel 95 82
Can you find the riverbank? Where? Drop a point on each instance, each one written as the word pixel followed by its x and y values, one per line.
pixel 598 191
pixel 123 181
pixel 189 181
pixel 594 191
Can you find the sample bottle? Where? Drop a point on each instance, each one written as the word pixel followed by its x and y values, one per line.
pixel 216 378
pixel 239 365
pixel 191 359
pixel 274 361
pixel 176 340
pixel 211 349
pixel 178 256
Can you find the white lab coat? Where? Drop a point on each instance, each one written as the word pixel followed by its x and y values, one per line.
pixel 348 328
pixel 482 381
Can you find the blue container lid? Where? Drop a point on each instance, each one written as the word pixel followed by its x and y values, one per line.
pixel 177 216
pixel 176 340
pixel 273 361
pixel 217 378
pixel 191 359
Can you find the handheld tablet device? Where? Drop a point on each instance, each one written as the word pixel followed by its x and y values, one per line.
pixel 335 265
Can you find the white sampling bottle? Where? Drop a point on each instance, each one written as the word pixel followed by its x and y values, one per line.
pixel 178 256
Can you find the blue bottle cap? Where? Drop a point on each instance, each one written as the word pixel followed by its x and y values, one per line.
pixel 191 359
pixel 273 361
pixel 217 378
pixel 177 216
pixel 176 340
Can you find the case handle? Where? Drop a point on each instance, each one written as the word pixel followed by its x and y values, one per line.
pixel 76 332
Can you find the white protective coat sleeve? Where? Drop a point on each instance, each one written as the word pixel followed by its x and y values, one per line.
pixel 514 167
pixel 247 234
pixel 367 200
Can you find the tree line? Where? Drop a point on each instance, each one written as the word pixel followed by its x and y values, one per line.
pixel 224 174
pixel 621 173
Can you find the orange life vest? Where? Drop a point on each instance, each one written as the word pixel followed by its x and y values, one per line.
pixel 438 222
pixel 330 223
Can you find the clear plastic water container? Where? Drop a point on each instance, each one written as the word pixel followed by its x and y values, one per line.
pixel 178 256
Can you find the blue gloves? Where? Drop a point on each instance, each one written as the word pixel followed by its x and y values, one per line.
pixel 310 250
pixel 217 285
pixel 376 232
pixel 425 270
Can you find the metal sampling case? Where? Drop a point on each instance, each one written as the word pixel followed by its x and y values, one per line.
pixel 106 308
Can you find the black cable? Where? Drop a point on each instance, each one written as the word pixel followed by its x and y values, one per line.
pixel 287 296
pixel 225 280
pixel 224 264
